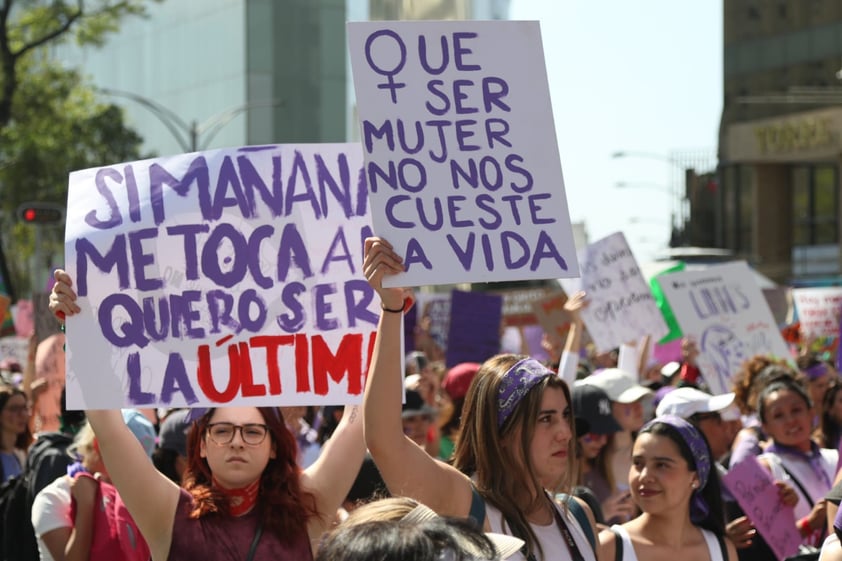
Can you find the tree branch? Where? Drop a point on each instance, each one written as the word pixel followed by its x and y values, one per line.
pixel 51 35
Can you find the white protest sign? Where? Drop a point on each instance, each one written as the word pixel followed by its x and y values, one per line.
pixel 723 309
pixel 460 150
pixel 14 348
pixel 220 277
pixel 621 307
pixel 818 310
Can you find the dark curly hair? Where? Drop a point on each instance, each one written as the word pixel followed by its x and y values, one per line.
pixel 753 375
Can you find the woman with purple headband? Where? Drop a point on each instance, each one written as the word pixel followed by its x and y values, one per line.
pixel 515 450
pixel 673 481
pixel 818 377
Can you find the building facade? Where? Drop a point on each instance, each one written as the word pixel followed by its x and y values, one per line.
pixel 776 196
pixel 216 73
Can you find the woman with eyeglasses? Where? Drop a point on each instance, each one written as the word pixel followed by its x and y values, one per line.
pixel 16 437
pixel 244 495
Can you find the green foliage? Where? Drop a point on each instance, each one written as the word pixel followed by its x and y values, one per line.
pixel 51 122
pixel 34 22
pixel 59 127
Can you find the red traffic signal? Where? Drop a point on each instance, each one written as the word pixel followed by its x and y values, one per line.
pixel 41 213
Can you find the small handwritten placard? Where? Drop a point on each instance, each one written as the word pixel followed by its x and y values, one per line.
pixel 755 491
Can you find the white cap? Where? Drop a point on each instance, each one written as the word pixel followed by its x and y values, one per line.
pixel 731 413
pixel 618 384
pixel 670 369
pixel 686 402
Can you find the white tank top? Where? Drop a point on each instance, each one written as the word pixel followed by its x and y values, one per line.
pixel 628 548
pixel 549 536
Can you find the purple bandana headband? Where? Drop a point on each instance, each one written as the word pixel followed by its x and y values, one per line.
pixel 816 371
pixel 516 383
pixel 691 436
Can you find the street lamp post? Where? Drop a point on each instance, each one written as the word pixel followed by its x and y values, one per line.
pixel 188 135
pixel 672 190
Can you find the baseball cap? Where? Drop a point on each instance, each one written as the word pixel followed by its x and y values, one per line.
pixel 593 405
pixel 618 384
pixel 142 428
pixel 458 379
pixel 686 402
pixel 670 369
pixel 173 432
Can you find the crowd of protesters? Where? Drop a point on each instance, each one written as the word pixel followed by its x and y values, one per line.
pixel 581 457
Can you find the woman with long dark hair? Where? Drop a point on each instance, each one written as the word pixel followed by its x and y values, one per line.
pixel 15 436
pixel 675 484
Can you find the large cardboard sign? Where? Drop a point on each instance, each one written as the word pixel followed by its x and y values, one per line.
pixel 460 150
pixel 818 311
pixel 723 309
pixel 621 307
pixel 220 277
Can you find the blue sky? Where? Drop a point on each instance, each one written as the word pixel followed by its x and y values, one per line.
pixel 629 76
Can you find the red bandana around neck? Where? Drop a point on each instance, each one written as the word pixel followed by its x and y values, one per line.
pixel 240 501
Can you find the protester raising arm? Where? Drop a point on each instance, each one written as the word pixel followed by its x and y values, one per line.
pixel 406 468
pixel 569 362
pixel 330 477
pixel 141 486
pixel 517 441
pixel 241 469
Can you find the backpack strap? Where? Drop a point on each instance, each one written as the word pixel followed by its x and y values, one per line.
pixel 581 517
pixel 618 545
pixel 798 484
pixel 477 513
pixel 806 496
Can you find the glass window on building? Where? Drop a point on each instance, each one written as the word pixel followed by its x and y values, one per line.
pixel 729 207
pixel 815 205
pixel 801 205
pixel 745 206
pixel 737 206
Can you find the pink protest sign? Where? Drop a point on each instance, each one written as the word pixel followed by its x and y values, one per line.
pixel 755 491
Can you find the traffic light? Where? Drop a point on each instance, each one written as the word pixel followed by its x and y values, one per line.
pixel 41 213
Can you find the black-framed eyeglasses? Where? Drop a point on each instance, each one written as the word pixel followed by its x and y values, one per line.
pixel 252 434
